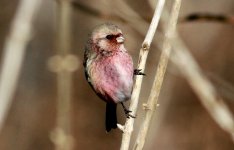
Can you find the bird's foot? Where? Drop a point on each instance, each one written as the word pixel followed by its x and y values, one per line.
pixel 128 115
pixel 138 72
pixel 127 112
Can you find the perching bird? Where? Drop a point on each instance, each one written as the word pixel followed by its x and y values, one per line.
pixel 109 69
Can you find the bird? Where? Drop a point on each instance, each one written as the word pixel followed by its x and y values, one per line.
pixel 109 69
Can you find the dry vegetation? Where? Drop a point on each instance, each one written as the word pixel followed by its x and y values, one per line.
pixel 45 102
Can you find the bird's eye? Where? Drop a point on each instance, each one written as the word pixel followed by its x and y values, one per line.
pixel 110 37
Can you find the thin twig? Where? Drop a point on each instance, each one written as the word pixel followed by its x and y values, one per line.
pixel 128 128
pixel 14 50
pixel 158 80
pixel 208 17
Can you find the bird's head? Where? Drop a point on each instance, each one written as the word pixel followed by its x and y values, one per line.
pixel 106 37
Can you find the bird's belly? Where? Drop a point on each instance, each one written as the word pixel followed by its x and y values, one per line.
pixel 115 81
pixel 125 82
pixel 119 81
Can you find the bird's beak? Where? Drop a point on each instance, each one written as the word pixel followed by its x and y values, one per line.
pixel 120 39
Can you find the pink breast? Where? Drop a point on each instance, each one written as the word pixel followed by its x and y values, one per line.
pixel 114 77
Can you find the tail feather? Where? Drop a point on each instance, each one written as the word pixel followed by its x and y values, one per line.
pixel 111 117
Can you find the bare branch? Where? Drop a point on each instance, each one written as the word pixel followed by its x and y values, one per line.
pixel 141 65
pixel 158 80
pixel 208 17
pixel 14 50
pixel 202 86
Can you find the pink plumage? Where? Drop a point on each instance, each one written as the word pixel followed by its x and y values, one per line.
pixel 109 69
pixel 113 76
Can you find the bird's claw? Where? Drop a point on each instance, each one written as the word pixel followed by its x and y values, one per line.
pixel 127 113
pixel 138 72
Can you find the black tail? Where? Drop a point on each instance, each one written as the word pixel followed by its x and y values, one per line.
pixel 111 117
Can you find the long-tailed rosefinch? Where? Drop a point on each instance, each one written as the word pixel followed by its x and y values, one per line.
pixel 109 69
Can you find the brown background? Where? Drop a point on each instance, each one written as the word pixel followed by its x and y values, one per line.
pixel 180 123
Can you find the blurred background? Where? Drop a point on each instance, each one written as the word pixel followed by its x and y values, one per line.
pixel 180 123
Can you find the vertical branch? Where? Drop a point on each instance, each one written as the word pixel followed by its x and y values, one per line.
pixel 64 64
pixel 151 105
pixel 64 27
pixel 14 50
pixel 128 128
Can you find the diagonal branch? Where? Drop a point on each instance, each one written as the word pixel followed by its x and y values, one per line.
pixel 151 105
pixel 14 51
pixel 206 92
pixel 128 128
